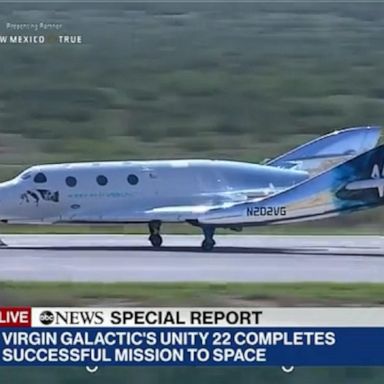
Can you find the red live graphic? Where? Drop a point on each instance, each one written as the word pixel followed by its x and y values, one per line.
pixel 15 317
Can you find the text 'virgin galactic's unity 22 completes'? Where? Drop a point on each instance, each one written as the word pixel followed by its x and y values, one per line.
pixel 338 173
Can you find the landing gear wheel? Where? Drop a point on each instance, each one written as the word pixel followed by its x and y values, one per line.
pixel 156 240
pixel 154 230
pixel 208 244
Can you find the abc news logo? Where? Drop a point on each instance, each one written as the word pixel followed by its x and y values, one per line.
pixel 71 317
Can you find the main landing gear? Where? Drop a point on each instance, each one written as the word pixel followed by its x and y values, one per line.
pixel 156 240
pixel 208 242
pixel 154 237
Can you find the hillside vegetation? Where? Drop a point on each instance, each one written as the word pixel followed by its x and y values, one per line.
pixel 174 80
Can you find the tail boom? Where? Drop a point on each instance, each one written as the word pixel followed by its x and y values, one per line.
pixel 354 185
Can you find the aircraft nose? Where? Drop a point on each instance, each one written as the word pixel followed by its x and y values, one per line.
pixel 9 193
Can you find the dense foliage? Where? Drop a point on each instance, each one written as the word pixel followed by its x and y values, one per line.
pixel 157 80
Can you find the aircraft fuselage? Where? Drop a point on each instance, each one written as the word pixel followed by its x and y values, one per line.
pixel 120 191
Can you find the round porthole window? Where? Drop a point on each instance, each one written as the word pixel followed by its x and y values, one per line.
pixel 71 181
pixel 132 179
pixel 101 180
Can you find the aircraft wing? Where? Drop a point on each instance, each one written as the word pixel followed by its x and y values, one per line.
pixel 166 214
pixel 181 213
pixel 327 151
pixel 175 213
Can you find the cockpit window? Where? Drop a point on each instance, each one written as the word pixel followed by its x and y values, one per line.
pixel 26 175
pixel 40 178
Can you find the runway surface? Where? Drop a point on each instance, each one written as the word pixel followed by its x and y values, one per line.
pixel 240 258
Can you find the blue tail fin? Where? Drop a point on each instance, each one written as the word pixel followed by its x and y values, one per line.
pixel 353 185
pixel 361 180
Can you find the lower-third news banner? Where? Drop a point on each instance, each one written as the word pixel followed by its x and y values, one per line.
pixel 191 336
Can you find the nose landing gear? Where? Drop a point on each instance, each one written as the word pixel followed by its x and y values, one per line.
pixel 154 237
